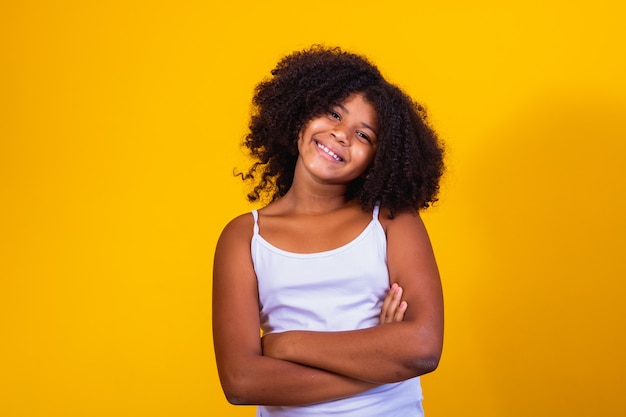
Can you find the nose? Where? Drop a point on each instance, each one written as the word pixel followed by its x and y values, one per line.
pixel 340 135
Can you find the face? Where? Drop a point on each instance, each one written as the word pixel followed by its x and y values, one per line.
pixel 338 146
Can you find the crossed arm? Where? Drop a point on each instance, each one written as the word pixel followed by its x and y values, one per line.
pixel 301 367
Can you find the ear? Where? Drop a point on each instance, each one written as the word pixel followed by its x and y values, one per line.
pixel 295 146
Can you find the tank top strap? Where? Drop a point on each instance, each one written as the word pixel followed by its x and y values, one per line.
pixel 375 212
pixel 255 215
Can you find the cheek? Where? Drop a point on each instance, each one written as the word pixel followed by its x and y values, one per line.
pixel 367 154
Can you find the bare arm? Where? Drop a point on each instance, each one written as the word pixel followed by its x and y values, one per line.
pixel 246 375
pixel 394 351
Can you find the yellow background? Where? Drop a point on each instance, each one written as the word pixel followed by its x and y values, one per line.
pixel 119 130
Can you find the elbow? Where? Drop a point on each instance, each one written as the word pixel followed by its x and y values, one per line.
pixel 235 399
pixel 424 362
pixel 236 396
pixel 236 389
pixel 411 367
pixel 232 394
pixel 426 355
pixel 416 366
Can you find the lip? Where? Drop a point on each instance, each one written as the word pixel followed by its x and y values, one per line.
pixel 328 152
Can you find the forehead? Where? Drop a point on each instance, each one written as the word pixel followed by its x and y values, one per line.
pixel 356 102
pixel 358 106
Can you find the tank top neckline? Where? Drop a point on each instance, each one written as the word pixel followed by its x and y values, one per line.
pixel 371 225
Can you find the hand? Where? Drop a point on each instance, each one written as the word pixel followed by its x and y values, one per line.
pixel 393 308
pixel 271 344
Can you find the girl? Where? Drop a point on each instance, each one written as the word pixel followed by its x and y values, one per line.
pixel 337 270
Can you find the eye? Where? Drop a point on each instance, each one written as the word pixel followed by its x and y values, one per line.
pixel 334 115
pixel 364 136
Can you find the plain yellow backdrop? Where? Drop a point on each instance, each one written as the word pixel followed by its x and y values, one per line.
pixel 120 125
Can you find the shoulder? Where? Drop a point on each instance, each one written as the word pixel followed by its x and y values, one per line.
pixel 406 228
pixel 403 220
pixel 232 251
pixel 239 228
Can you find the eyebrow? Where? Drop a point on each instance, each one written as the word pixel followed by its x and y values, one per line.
pixel 362 123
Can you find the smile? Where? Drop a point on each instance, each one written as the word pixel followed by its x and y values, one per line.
pixel 329 152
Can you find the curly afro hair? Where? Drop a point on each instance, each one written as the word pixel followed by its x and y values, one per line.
pixel 408 164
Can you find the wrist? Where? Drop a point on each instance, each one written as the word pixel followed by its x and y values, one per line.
pixel 275 345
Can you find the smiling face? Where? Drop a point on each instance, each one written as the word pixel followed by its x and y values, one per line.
pixel 338 146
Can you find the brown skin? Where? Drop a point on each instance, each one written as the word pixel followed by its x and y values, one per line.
pixel 389 353
pixel 299 367
pixel 247 376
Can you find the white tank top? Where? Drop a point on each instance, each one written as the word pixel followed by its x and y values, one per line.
pixel 334 290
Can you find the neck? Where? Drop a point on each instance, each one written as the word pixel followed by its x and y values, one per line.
pixel 311 197
pixel 313 202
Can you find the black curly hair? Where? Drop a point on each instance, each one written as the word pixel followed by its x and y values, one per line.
pixel 408 164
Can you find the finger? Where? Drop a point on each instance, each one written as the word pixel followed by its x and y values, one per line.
pixel 384 310
pixel 390 306
pixel 400 311
pixel 395 304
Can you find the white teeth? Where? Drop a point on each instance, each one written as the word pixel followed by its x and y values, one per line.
pixel 329 152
